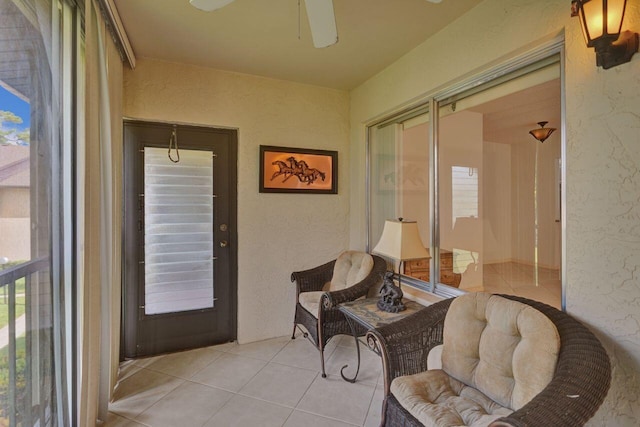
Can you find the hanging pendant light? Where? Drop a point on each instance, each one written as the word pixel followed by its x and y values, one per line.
pixel 543 133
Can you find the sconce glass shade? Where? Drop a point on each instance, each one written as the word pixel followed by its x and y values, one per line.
pixel 401 240
pixel 543 133
pixel 601 23
pixel 601 20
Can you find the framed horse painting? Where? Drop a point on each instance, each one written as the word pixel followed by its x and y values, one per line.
pixel 298 170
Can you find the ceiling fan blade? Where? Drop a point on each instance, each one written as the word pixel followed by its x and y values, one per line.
pixel 209 5
pixel 322 21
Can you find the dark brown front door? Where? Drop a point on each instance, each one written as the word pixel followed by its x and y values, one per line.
pixel 180 252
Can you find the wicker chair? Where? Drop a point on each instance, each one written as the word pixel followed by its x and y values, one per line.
pixel 328 321
pixel 577 389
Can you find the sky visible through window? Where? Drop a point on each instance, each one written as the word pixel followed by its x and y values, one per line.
pixel 14 119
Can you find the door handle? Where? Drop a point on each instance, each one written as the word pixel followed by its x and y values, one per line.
pixel 223 243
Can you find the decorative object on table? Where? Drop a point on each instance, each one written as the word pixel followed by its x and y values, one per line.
pixel 400 240
pixel 297 170
pixel 391 295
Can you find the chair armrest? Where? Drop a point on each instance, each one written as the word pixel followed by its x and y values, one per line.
pixel 313 279
pixel 580 383
pixel 360 289
pixel 404 345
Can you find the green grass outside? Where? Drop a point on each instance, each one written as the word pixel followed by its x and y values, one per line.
pixel 4 302
pixel 4 309
pixel 4 378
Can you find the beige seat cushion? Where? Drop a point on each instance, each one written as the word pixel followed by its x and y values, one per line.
pixel 505 349
pixel 351 267
pixel 436 399
pixel 311 301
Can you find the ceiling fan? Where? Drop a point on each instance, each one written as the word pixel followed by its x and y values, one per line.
pixel 322 19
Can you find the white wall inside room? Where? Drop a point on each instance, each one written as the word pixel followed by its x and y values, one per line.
pixel 496 212
pixel 603 151
pixel 277 233
pixel 461 147
pixel 523 170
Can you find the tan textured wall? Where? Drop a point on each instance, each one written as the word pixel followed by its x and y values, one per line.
pixel 15 243
pixel 278 233
pixel 603 154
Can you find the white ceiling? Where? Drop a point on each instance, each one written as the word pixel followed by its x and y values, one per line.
pixel 509 119
pixel 260 37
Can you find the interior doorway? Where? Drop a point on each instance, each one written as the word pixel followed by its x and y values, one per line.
pixel 180 239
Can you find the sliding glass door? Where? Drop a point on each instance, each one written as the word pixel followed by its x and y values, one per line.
pixel 493 222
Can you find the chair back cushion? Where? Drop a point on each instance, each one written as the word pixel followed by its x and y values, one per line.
pixel 506 349
pixel 351 267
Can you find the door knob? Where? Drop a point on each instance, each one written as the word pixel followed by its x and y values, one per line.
pixel 223 243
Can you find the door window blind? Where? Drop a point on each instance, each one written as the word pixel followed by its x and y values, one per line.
pixel 178 228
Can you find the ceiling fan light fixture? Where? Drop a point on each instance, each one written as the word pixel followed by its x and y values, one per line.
pixel 209 5
pixel 542 133
pixel 322 21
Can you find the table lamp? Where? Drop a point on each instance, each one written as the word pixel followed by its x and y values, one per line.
pixel 400 240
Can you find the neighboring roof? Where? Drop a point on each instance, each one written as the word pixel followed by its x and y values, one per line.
pixel 14 166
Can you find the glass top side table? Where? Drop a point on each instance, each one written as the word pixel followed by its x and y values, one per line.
pixel 364 313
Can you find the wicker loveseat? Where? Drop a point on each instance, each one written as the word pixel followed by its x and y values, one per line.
pixel 319 291
pixel 503 361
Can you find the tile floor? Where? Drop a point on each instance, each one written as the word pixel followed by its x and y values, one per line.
pixel 519 279
pixel 269 383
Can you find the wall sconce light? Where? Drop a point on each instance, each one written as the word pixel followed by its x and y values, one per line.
pixel 601 22
pixel 543 133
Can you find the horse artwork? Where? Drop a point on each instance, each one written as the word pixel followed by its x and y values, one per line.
pixel 297 170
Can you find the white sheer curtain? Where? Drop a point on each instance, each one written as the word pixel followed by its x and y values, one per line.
pixel 102 211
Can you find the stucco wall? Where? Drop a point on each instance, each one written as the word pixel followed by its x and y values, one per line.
pixel 277 233
pixel 603 157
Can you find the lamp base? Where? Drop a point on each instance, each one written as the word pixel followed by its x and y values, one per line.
pixel 391 295
pixel 618 52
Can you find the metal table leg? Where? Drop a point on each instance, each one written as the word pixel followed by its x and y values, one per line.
pixel 355 337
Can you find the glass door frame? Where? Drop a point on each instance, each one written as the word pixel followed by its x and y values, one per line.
pixel 477 79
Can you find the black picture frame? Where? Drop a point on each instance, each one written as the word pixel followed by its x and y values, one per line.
pixel 298 170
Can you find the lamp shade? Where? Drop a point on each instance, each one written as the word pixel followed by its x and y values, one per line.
pixel 601 20
pixel 401 240
pixel 542 133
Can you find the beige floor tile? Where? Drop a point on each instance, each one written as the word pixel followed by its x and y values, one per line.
pixel 185 364
pixel 370 363
pixel 284 385
pixel 190 404
pixel 332 397
pixel 263 350
pixel 345 341
pixel 304 419
pixel 301 353
pixel 229 372
pixel 115 420
pixel 242 411
pixel 375 409
pixel 127 368
pixel 146 361
pixel 141 390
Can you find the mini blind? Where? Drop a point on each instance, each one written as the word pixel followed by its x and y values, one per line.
pixel 178 214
